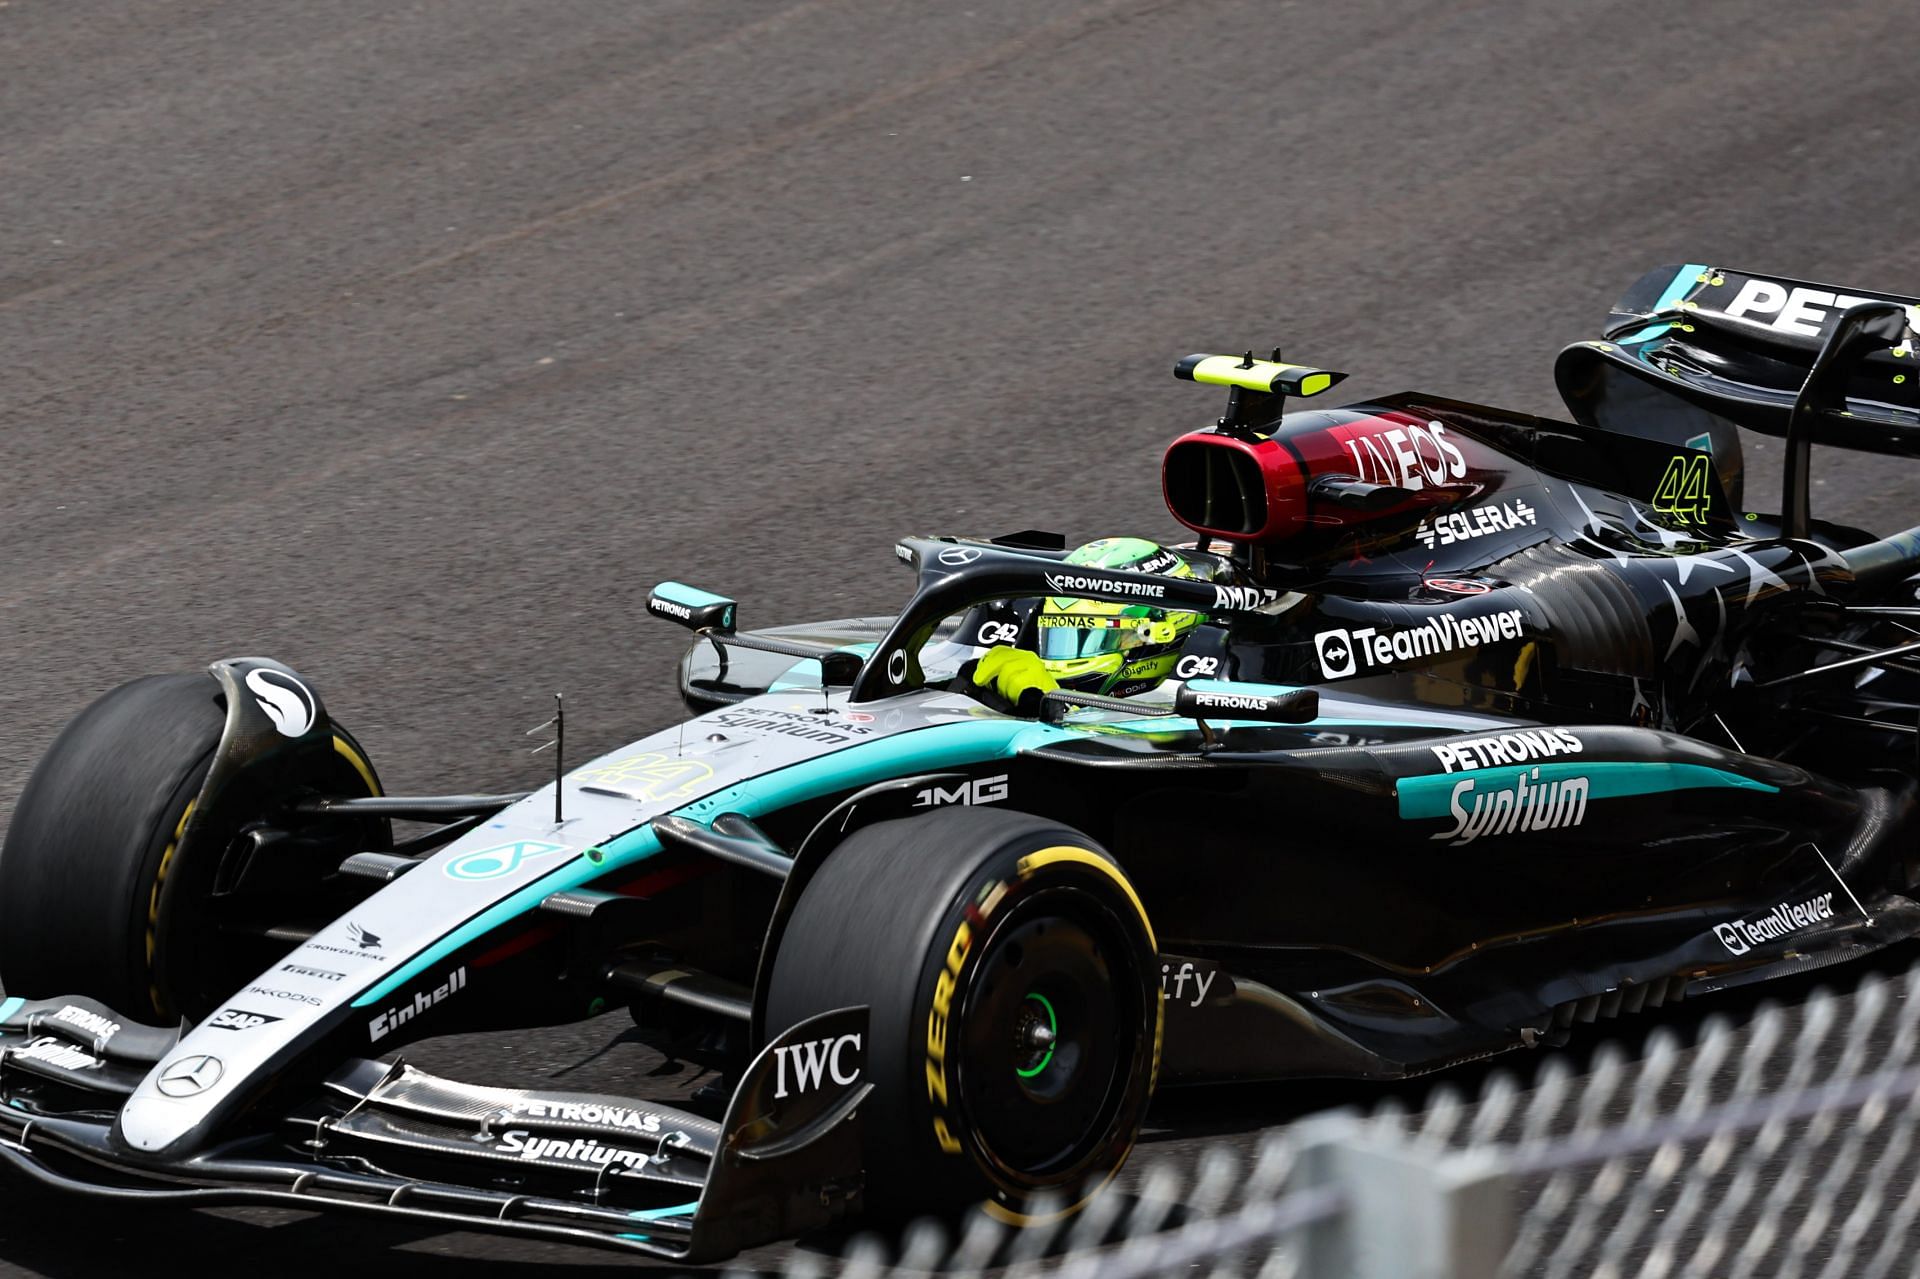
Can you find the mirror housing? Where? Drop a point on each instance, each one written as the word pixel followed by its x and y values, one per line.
pixel 691 607
pixel 1224 699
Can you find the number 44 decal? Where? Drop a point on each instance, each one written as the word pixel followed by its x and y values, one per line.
pixel 1683 491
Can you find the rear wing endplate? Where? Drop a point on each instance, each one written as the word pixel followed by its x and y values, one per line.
pixel 1740 348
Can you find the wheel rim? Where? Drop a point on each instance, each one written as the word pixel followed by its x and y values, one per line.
pixel 1051 1031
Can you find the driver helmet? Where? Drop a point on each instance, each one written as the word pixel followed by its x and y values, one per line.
pixel 1114 649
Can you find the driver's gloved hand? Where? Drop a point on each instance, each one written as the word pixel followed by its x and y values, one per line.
pixel 1014 677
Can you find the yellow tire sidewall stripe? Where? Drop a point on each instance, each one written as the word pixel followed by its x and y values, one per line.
pixel 153 901
pixel 1085 857
pixel 360 765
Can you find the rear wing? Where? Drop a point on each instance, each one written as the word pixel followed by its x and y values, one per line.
pixel 1698 343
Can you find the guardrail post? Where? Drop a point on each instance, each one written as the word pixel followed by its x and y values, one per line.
pixel 1413 1210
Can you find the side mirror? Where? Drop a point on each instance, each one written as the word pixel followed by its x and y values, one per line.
pixel 1222 699
pixel 695 609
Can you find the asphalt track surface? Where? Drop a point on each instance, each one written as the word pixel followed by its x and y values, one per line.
pixel 411 342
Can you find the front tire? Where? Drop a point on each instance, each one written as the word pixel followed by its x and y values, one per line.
pixel 1010 973
pixel 98 895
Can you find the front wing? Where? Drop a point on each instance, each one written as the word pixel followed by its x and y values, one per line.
pixel 381 1137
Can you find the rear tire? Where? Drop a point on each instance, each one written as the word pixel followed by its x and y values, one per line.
pixel 96 895
pixel 966 932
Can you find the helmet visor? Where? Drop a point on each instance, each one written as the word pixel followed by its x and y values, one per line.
pixel 1083 637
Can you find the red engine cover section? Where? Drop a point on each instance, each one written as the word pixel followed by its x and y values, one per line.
pixel 1255 488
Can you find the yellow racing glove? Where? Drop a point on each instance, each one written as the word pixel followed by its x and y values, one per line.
pixel 1012 672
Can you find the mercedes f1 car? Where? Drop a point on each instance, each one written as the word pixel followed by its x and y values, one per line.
pixel 1490 725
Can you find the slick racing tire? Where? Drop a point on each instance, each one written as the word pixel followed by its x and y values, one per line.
pixel 1010 973
pixel 98 896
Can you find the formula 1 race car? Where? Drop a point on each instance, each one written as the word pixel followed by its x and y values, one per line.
pixel 1480 725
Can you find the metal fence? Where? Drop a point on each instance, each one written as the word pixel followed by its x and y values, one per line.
pixel 1787 1146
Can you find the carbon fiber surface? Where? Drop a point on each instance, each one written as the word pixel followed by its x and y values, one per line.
pixel 411 343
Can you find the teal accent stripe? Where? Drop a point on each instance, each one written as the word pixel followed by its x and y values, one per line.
pixel 917 750
pixel 10 1007
pixel 1432 796
pixel 1681 285
pixel 691 596
pixel 655 1214
pixel 1676 292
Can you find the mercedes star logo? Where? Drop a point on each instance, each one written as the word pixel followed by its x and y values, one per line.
pixel 955 556
pixel 190 1076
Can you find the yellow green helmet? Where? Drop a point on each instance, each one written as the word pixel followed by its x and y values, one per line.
pixel 1117 649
